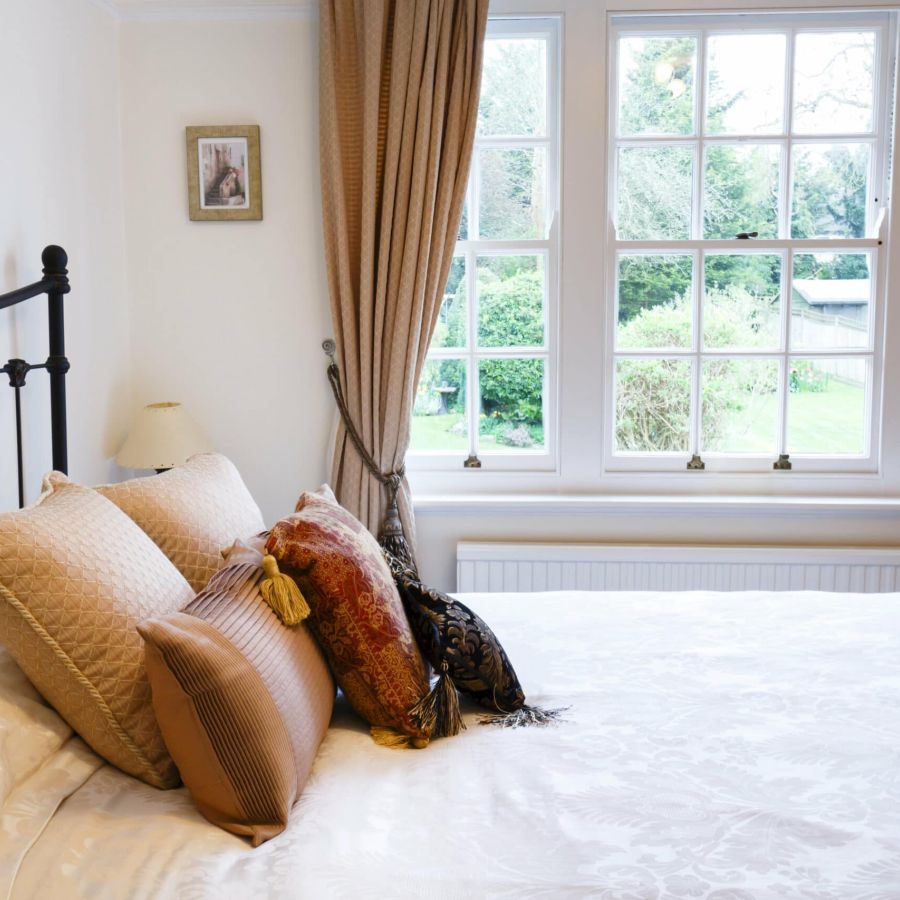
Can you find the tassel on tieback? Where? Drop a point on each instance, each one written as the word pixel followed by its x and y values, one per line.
pixel 438 711
pixel 391 536
pixel 280 591
pixel 525 717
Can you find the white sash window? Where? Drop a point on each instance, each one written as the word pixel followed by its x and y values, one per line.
pixel 748 167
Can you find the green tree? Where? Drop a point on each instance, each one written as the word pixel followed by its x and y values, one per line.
pixel 740 186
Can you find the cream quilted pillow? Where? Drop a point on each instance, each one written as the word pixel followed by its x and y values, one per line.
pixel 76 576
pixel 193 512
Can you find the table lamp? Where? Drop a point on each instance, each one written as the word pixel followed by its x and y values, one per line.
pixel 163 436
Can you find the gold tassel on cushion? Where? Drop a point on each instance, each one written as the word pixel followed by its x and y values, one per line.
pixel 280 591
pixel 438 711
pixel 396 740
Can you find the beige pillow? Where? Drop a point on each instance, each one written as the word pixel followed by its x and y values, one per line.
pixel 192 512
pixel 76 576
pixel 242 700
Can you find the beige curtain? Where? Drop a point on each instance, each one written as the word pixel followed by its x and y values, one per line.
pixel 399 85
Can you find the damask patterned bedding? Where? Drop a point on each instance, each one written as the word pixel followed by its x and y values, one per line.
pixel 720 746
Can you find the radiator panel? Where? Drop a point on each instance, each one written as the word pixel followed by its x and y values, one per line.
pixel 491 567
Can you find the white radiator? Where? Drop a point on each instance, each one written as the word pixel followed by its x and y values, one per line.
pixel 620 567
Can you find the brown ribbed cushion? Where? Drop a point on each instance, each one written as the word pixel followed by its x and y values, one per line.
pixel 243 702
pixel 192 512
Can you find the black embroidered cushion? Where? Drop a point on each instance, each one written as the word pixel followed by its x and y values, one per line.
pixel 447 631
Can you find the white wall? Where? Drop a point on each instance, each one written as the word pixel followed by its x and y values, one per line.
pixel 60 152
pixel 228 317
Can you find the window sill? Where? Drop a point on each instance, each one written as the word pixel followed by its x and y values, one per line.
pixel 649 504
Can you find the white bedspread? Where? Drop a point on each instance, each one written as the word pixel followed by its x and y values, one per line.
pixel 720 746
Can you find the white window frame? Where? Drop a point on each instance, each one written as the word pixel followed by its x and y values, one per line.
pixel 545 459
pixel 874 243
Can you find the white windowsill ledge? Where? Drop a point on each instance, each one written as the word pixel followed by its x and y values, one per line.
pixel 648 504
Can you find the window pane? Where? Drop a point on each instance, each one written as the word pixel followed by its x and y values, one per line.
pixel 512 191
pixel 740 191
pixel 510 301
pixel 742 301
pixel 513 87
pixel 740 405
pixel 834 83
pixel 450 330
pixel 654 308
pixel 463 233
pixel 656 85
pixel 830 301
pixel 743 96
pixel 439 417
pixel 827 406
pixel 830 190
pixel 654 193
pixel 512 405
pixel 653 401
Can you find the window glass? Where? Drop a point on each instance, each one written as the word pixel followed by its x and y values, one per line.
pixel 773 351
pixel 510 301
pixel 830 190
pixel 485 386
pixel 653 405
pixel 834 82
pixel 827 405
pixel 830 301
pixel 741 184
pixel 656 85
pixel 511 414
pixel 654 193
pixel 513 87
pixel 654 301
pixel 743 96
pixel 742 301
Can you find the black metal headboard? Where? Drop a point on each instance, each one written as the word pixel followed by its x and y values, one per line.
pixel 55 284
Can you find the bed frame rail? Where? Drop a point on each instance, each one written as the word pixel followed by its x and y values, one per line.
pixel 55 284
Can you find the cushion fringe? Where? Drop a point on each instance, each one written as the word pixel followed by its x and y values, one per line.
pixel 526 717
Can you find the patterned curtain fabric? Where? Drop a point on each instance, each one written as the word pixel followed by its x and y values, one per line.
pixel 398 101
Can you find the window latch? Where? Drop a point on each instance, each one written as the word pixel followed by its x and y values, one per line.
pixel 783 462
pixel 472 462
pixel 746 235
pixel 695 462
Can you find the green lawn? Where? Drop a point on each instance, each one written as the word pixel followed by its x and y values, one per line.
pixel 433 433
pixel 830 421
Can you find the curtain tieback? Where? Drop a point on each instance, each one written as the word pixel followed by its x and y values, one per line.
pixel 391 535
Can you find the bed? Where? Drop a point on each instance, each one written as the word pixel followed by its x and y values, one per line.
pixel 726 746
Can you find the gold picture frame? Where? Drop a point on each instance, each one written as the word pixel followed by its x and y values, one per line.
pixel 224 173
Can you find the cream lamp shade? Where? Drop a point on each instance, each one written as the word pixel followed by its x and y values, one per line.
pixel 163 436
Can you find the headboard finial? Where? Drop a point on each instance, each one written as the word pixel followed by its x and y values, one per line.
pixel 55 260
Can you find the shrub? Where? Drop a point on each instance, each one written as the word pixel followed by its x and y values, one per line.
pixel 653 395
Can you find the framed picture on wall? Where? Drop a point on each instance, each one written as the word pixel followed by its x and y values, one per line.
pixel 224 178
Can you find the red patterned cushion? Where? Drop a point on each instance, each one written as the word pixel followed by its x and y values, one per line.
pixel 357 613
